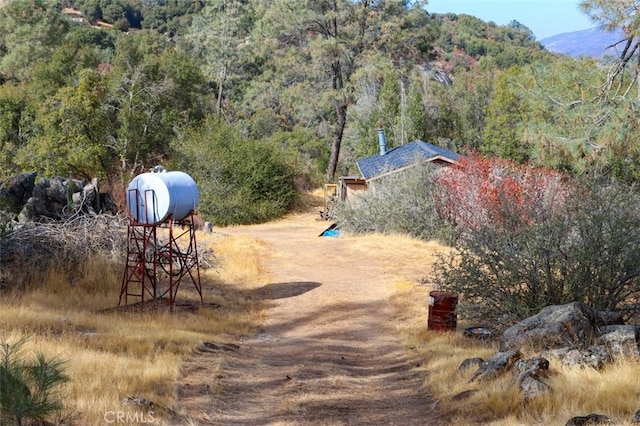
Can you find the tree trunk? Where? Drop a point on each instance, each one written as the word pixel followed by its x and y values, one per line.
pixel 223 77
pixel 337 141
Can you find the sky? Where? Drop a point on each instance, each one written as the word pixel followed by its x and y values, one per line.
pixel 545 18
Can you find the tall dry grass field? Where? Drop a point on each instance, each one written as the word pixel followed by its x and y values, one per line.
pixel 112 354
pixel 613 391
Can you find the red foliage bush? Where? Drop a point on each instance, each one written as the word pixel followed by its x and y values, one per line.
pixel 479 191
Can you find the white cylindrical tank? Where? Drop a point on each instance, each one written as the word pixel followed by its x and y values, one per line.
pixel 153 198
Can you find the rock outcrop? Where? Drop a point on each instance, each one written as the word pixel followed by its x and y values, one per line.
pixel 574 325
pixel 553 327
pixel 54 198
pixel 571 335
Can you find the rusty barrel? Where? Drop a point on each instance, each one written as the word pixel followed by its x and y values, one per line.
pixel 442 310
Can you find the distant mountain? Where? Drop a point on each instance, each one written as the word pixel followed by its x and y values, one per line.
pixel 592 43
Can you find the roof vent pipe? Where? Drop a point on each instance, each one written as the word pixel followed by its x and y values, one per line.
pixel 383 141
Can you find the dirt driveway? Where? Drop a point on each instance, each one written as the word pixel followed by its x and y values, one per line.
pixel 328 352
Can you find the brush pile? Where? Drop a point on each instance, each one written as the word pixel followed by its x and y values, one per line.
pixel 28 252
pixel 59 224
pixel 55 224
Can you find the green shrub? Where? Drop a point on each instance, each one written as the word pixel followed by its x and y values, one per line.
pixel 581 244
pixel 309 154
pixel 240 180
pixel 27 385
pixel 403 202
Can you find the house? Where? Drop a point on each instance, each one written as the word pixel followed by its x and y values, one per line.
pixel 384 164
pixel 402 157
pixel 344 190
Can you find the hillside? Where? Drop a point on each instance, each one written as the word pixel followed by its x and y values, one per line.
pixel 593 42
pixel 465 39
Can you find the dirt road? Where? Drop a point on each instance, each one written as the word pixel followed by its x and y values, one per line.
pixel 328 353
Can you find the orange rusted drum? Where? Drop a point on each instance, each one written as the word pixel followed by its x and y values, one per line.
pixel 442 311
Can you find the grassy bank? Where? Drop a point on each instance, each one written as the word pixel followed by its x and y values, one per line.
pixel 112 353
pixel 115 354
pixel 613 391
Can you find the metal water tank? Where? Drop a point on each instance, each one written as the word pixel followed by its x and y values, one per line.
pixel 153 198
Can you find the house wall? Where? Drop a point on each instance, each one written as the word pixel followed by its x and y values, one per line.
pixel 349 186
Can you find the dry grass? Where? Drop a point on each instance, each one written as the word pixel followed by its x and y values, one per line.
pixel 614 391
pixel 112 354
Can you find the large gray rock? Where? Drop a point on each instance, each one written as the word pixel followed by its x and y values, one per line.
pixel 555 354
pixel 531 375
pixel 532 385
pixel 594 356
pixel 622 340
pixel 55 198
pixel 469 363
pixel 606 318
pixel 60 198
pixel 589 420
pixel 17 190
pixel 556 326
pixel 498 363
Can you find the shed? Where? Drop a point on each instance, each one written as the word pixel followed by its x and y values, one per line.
pixel 350 185
pixel 333 193
pixel 403 157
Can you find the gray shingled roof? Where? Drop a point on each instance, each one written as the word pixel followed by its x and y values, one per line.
pixel 402 156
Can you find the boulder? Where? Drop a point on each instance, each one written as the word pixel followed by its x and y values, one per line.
pixel 55 198
pixel 555 354
pixel 17 190
pixel 469 363
pixel 27 214
pixel 622 340
pixel 555 326
pixel 589 420
pixel 531 376
pixel 495 365
pixel 537 364
pixel 49 198
pixel 481 333
pixel 606 318
pixel 532 386
pixel 594 357
pixel 60 198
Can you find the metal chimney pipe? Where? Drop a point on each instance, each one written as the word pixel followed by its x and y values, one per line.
pixel 383 141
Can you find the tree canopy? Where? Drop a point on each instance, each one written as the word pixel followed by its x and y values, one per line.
pixel 111 93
